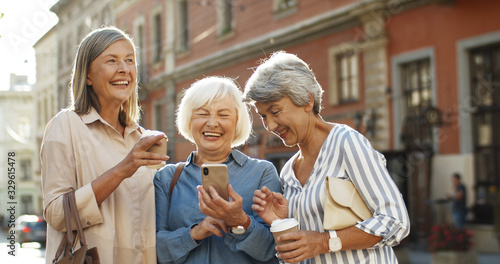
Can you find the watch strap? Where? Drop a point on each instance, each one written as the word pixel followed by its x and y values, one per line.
pixel 334 243
pixel 244 226
pixel 247 223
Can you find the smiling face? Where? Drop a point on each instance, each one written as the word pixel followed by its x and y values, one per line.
pixel 214 126
pixel 113 74
pixel 285 119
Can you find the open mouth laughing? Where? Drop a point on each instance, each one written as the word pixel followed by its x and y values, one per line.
pixel 120 83
pixel 212 134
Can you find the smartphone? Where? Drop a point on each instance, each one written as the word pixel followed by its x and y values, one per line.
pixel 215 175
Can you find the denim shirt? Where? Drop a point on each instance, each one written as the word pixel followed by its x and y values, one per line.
pixel 174 220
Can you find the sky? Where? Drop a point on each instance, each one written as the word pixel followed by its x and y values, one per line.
pixel 23 23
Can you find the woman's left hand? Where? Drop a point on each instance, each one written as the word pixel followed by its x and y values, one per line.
pixel 215 206
pixel 307 244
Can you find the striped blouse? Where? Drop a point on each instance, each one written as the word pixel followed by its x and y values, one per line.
pixel 348 155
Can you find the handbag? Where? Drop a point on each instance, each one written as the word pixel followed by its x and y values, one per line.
pixel 66 253
pixel 344 206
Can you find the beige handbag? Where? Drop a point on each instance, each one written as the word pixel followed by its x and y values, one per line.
pixel 344 206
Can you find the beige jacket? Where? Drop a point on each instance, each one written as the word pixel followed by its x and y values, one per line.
pixel 75 151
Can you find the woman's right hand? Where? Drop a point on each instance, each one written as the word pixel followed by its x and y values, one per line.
pixel 209 226
pixel 106 184
pixel 269 205
pixel 139 156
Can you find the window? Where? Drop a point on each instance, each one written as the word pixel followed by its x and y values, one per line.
pixel 157 42
pixel 417 97
pixel 79 33
pixel 347 67
pixel 24 127
pixel 27 204
pixel 106 16
pixel 344 76
pixel 69 51
pixel 485 101
pixel 282 8
pixel 41 115
pixel 25 167
pixel 60 58
pixel 158 116
pixel 183 22
pixel 139 38
pixel 226 16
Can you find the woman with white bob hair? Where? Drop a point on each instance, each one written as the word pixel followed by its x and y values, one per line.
pixel 195 226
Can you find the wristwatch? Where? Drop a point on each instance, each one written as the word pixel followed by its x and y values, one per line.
pixel 334 243
pixel 238 230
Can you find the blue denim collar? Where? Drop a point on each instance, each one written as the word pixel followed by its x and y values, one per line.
pixel 235 155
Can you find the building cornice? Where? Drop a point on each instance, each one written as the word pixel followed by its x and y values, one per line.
pixel 59 5
pixel 9 96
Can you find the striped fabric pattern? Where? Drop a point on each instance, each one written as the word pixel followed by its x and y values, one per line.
pixel 348 155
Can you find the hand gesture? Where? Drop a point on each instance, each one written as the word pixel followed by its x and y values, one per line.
pixel 269 205
pixel 215 206
pixel 105 184
pixel 209 226
pixel 139 156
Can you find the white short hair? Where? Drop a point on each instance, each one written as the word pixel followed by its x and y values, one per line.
pixel 205 91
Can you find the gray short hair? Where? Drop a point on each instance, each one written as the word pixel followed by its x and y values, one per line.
pixel 205 91
pixel 82 95
pixel 283 74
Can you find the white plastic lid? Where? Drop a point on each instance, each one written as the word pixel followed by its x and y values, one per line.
pixel 283 224
pixel 147 133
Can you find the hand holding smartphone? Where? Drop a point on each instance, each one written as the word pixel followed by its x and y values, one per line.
pixel 215 175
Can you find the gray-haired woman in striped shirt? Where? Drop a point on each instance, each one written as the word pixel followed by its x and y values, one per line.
pixel 287 96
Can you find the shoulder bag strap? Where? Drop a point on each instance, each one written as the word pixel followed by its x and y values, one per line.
pixel 67 217
pixel 70 239
pixel 176 176
pixel 68 236
pixel 76 217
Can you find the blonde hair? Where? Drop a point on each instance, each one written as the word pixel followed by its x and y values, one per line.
pixel 205 91
pixel 83 96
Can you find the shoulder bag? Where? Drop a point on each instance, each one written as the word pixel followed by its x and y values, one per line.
pixel 177 173
pixel 344 206
pixel 66 253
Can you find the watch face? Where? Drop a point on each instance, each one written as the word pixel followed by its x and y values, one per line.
pixel 238 230
pixel 335 244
